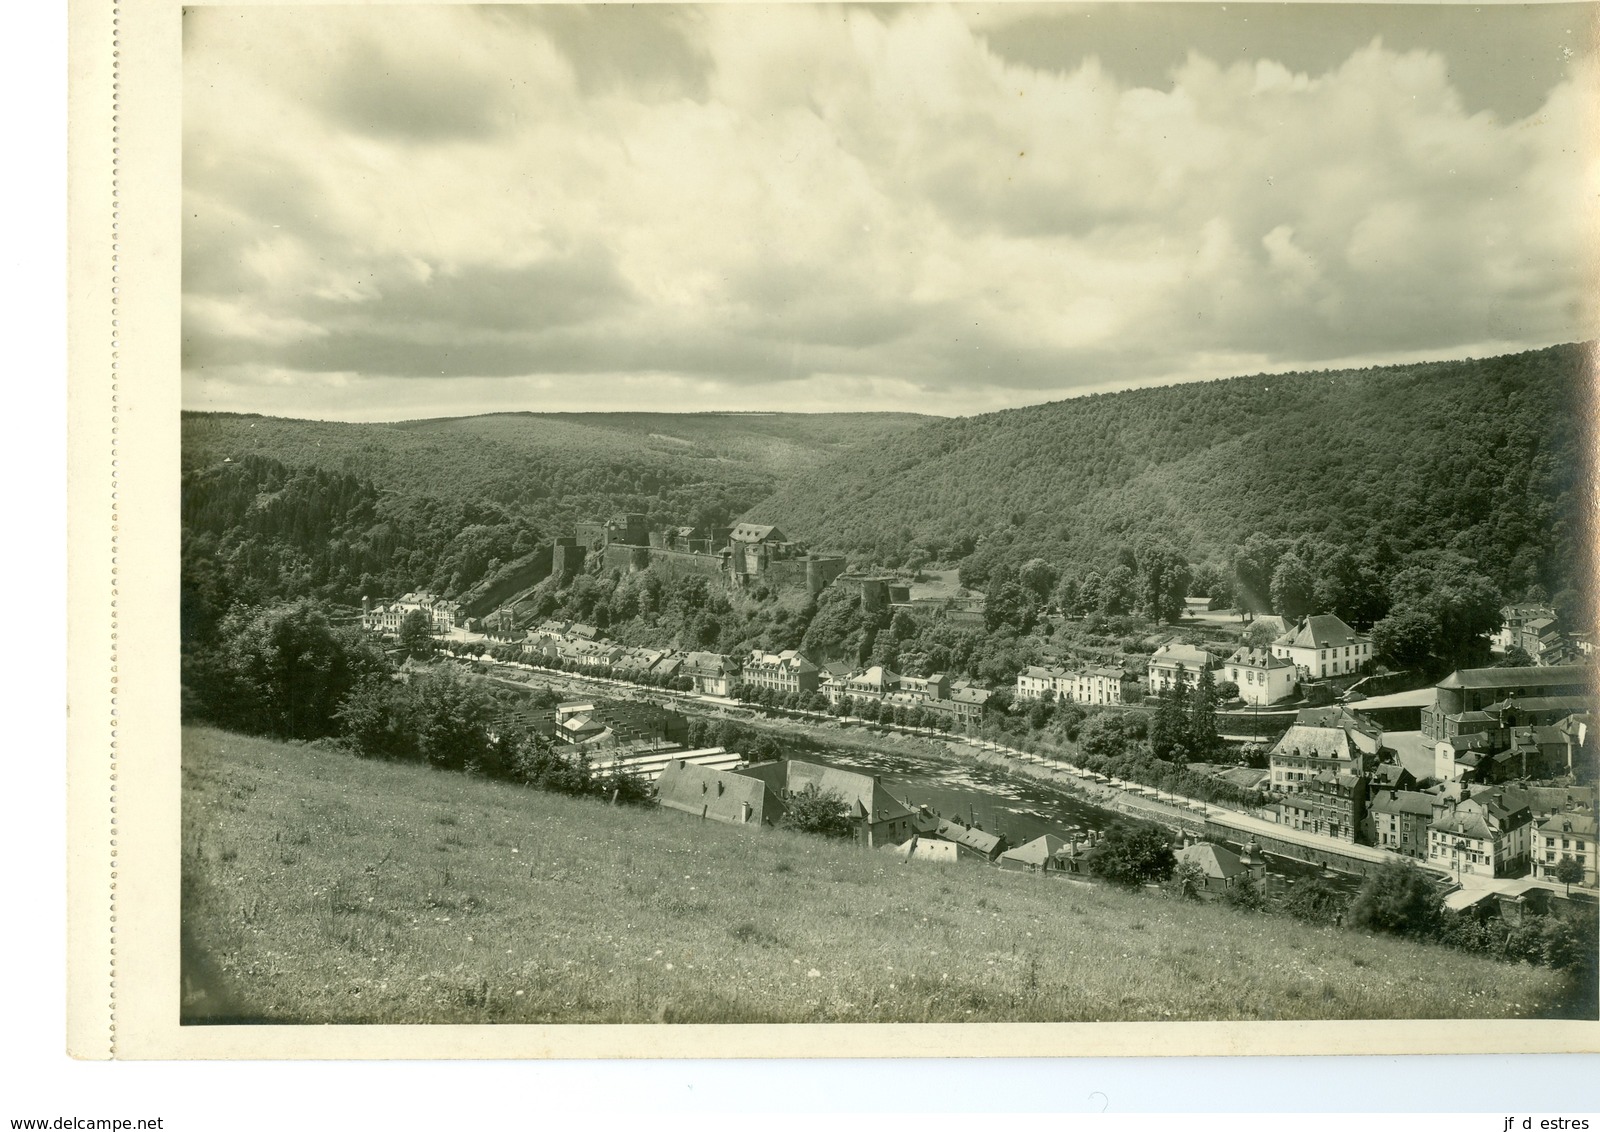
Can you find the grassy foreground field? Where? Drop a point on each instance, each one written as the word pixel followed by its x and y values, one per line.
pixel 321 888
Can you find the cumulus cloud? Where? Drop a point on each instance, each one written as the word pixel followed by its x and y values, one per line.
pixel 467 209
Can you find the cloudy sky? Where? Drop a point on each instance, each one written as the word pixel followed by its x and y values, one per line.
pixel 423 211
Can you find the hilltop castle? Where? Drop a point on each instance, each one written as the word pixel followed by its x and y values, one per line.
pixel 741 555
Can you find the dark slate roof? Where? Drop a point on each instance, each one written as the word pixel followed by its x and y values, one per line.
pixel 1580 824
pixel 1518 677
pixel 1037 851
pixel 1467 825
pixel 975 839
pixel 1323 631
pixel 863 792
pixel 1401 802
pixel 685 786
pixel 1259 658
pixel 1215 861
pixel 1338 716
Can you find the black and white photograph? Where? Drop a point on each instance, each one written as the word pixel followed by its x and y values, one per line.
pixel 887 513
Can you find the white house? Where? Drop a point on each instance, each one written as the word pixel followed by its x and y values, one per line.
pixel 1176 663
pixel 1322 646
pixel 1262 677
pixel 1038 683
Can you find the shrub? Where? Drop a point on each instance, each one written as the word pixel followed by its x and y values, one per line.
pixel 1246 894
pixel 1187 882
pixel 819 811
pixel 1398 899
pixel 1133 855
pixel 1315 901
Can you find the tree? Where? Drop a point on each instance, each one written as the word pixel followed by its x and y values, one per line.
pixel 1009 604
pixel 1404 639
pixel 1169 726
pixel 1067 597
pixel 819 811
pixel 1203 739
pixel 1315 901
pixel 1163 578
pixel 1133 856
pixel 1245 893
pixel 375 719
pixel 1515 657
pixel 1038 577
pixel 1460 604
pixel 1119 591
pixel 1187 882
pixel 1260 634
pixel 1568 872
pixel 416 633
pixel 1293 587
pixel 1398 899
pixel 452 714
pixel 1252 566
pixel 1351 587
pixel 281 671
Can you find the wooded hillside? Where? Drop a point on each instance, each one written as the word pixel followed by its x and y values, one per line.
pixel 1484 458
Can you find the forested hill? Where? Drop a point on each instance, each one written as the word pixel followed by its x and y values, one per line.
pixel 1484 458
pixel 555 468
pixel 277 509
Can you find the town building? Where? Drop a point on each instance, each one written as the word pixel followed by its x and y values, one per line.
pixel 787 671
pixel 1482 835
pixel 1474 689
pixel 1177 664
pixel 1306 751
pixel 1044 854
pixel 1458 758
pixel 1097 685
pixel 1364 734
pixel 1038 683
pixel 1222 867
pixel 872 684
pixel 387 617
pixel 575 722
pixel 717 795
pixel 1322 646
pixel 926 850
pixel 1263 677
pixel 1565 835
pixel 881 819
pixel 1575 730
pixel 712 673
pixel 1512 620
pixel 969 840
pixel 1330 804
pixel 1398 820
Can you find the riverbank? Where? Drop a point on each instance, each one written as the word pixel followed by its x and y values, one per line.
pixel 843 739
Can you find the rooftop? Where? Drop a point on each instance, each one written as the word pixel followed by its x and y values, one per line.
pixel 1321 631
pixel 1176 652
pixel 1554 676
pixel 1037 851
pixel 1215 861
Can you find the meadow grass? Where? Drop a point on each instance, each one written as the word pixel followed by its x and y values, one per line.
pixel 321 888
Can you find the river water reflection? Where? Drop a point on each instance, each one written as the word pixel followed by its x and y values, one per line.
pixel 1017 806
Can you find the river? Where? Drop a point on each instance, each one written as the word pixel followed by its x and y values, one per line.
pixel 1017 806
